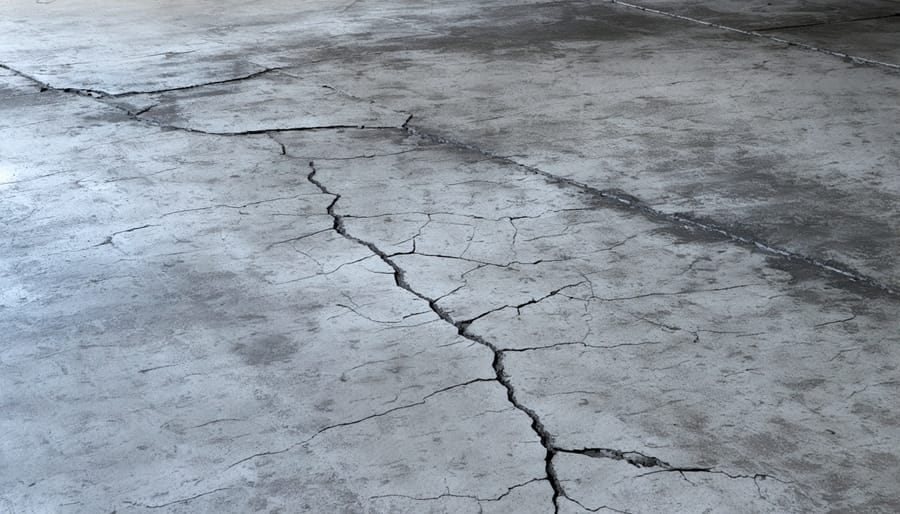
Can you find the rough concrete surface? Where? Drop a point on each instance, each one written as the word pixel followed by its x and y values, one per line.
pixel 480 257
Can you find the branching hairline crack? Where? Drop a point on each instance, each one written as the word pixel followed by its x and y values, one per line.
pixel 499 369
pixel 581 343
pixel 227 206
pixel 105 96
pixel 476 261
pixel 464 324
pixel 174 502
pixel 357 421
pixel 622 200
pixel 676 293
pixel 361 315
pixel 618 197
pixel 449 494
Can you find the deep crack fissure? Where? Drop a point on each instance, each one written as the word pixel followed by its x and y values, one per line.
pixel 634 458
pixel 656 465
pixel 497 364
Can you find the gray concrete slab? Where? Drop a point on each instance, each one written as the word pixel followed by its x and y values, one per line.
pixel 615 261
pixel 739 133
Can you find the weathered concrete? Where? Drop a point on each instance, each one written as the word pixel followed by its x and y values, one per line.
pixel 616 260
pixel 763 14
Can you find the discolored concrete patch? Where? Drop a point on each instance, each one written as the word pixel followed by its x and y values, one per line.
pixel 267 350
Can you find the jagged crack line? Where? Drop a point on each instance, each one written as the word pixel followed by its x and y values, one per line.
pixel 465 324
pixel 615 196
pixel 261 131
pixel 634 458
pixel 195 86
pixel 641 460
pixel 99 93
pixel 104 97
pixel 501 376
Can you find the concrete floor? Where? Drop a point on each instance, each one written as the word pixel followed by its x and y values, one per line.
pixel 485 256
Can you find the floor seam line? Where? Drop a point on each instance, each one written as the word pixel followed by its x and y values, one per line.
pixel 752 33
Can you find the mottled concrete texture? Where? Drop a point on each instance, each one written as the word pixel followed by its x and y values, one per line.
pixel 485 256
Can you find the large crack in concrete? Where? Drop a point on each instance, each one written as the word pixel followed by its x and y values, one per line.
pixel 254 132
pixel 99 93
pixel 634 458
pixel 654 466
pixel 616 198
pixel 613 197
pixel 109 99
pixel 501 376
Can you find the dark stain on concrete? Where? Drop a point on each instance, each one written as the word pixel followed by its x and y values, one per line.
pixel 266 350
pixel 802 272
